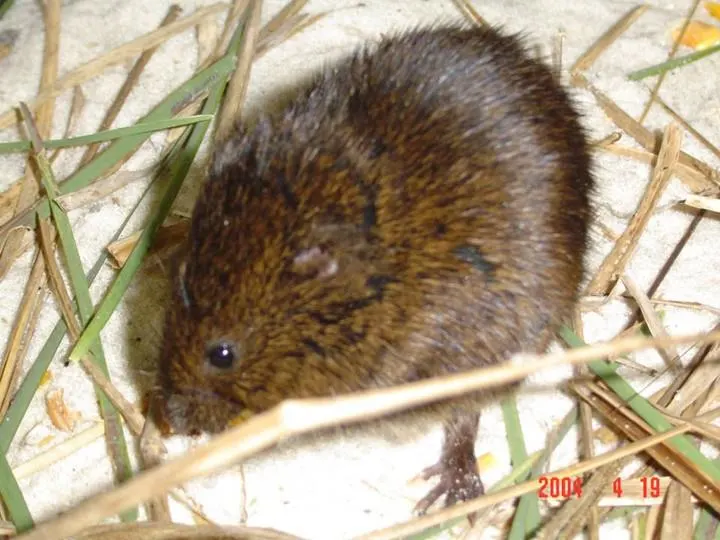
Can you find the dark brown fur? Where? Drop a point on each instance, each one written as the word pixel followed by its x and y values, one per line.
pixel 418 210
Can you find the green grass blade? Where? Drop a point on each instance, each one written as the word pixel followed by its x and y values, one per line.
pixel 117 150
pixel 116 442
pixel 109 134
pixel 607 371
pixel 527 514
pixel 675 63
pixel 30 383
pixel 215 74
pixel 13 147
pixel 13 498
pixel 117 445
pixel 122 280
pixel 4 6
pixel 179 167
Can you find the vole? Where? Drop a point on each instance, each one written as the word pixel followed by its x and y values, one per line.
pixel 419 208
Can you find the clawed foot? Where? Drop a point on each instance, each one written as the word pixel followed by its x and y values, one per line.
pixel 459 482
pixel 457 468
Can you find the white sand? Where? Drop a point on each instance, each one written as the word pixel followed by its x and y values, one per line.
pixel 338 488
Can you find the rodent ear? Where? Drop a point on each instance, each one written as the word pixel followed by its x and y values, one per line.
pixel 316 262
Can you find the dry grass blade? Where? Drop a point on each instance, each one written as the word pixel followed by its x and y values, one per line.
pixel 575 513
pixel 634 329
pixel 652 524
pixel 120 54
pixel 30 186
pixel 606 141
pixel 705 400
pixel 168 238
pixel 281 27
pixel 692 178
pixel 673 461
pixel 687 126
pixel 711 204
pixel 174 531
pixel 76 108
pixel 207 35
pixel 7 528
pixel 21 350
pixel 99 189
pixel 677 519
pixel 199 517
pixel 290 10
pixel 102 188
pixel 699 375
pixel 152 452
pixel 8 201
pixel 643 136
pixel 674 49
pixel 707 431
pixel 587 449
pixel 674 254
pixel 12 360
pixel 27 239
pixel 469 12
pixel 56 453
pixel 694 306
pixel 237 87
pixel 589 57
pixel 130 81
pixel 237 8
pixel 670 354
pixel 47 246
pixel 301 416
pixel 615 262
pixel 288 29
pixel 129 412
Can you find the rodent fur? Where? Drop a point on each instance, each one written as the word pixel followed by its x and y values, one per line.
pixel 420 208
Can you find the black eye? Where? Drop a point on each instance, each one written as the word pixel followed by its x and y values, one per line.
pixel 221 354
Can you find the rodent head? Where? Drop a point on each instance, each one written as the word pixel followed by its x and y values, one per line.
pixel 268 282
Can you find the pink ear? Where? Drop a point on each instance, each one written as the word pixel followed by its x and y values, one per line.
pixel 315 262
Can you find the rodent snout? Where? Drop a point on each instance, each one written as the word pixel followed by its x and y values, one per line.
pixel 193 411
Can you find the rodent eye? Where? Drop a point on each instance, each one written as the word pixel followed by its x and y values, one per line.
pixel 221 354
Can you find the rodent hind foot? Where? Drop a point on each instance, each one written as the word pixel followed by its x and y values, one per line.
pixel 458 483
pixel 457 466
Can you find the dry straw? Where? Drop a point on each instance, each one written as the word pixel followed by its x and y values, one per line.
pixel 300 416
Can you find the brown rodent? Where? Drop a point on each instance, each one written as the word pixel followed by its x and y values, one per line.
pixel 419 209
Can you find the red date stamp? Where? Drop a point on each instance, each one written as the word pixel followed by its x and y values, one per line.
pixel 560 487
pixel 650 487
pixel 571 487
